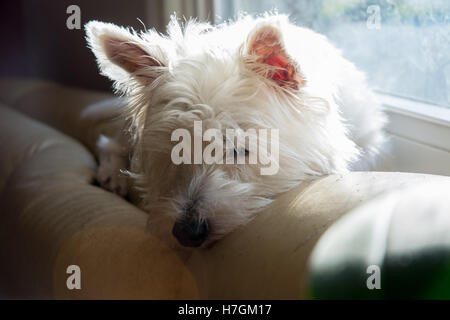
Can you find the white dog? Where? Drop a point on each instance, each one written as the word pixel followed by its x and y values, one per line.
pixel 254 73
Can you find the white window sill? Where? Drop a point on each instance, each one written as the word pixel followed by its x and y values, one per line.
pixel 419 135
pixel 418 121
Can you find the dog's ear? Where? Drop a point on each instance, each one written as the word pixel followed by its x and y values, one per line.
pixel 266 55
pixel 123 55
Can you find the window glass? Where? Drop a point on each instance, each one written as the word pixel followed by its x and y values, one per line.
pixel 402 45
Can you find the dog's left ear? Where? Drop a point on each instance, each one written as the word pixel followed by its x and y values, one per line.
pixel 123 55
pixel 267 56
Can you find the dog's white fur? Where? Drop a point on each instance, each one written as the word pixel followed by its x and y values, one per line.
pixel 329 123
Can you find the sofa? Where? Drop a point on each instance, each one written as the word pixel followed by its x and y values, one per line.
pixel 315 241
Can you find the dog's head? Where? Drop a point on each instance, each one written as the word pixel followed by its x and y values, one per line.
pixel 222 120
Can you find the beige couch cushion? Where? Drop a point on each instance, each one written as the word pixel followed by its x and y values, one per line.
pixel 52 216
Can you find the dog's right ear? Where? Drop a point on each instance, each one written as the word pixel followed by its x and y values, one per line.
pixel 268 56
pixel 123 55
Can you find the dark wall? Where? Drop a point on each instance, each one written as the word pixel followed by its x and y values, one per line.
pixel 37 42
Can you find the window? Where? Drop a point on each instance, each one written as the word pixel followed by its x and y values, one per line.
pixel 402 45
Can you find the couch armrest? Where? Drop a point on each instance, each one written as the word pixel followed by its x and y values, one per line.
pixel 52 217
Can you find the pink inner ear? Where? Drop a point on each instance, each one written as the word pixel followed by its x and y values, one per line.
pixel 267 47
pixel 128 56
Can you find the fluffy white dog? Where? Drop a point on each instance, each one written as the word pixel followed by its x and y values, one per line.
pixel 254 73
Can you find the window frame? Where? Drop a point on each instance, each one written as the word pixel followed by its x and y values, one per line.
pixel 421 122
pixel 419 136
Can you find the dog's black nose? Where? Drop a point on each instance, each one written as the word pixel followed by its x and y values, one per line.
pixel 191 233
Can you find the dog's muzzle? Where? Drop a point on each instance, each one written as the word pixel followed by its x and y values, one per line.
pixel 191 232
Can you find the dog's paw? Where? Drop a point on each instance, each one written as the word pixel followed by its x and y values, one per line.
pixel 109 174
pixel 111 163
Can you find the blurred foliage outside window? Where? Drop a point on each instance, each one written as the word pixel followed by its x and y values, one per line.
pixel 402 45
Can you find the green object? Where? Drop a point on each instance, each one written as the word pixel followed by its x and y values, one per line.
pixel 396 246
